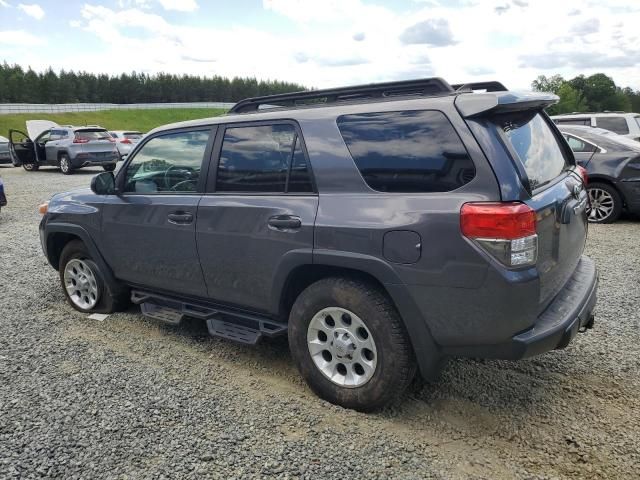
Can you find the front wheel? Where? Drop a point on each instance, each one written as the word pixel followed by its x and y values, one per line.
pixel 349 344
pixel 605 203
pixel 30 167
pixel 65 165
pixel 84 285
pixel 109 168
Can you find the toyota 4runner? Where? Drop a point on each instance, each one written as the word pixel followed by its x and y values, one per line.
pixel 382 228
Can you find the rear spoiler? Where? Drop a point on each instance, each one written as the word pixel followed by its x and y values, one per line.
pixel 480 104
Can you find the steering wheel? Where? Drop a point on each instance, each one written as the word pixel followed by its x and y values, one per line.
pixel 184 172
pixel 185 186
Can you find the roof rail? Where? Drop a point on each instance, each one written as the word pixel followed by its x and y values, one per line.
pixel 426 86
pixel 491 86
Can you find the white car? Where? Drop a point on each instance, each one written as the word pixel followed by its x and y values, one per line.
pixel 622 123
pixel 126 140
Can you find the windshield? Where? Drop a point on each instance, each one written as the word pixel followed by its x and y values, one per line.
pixel 92 134
pixel 535 144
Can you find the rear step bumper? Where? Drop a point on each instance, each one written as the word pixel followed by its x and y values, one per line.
pixel 570 312
pixel 232 325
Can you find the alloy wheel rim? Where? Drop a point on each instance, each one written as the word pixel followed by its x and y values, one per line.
pixel 81 284
pixel 342 347
pixel 64 164
pixel 600 205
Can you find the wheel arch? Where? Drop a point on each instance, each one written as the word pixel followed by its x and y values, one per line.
pixel 374 271
pixel 596 178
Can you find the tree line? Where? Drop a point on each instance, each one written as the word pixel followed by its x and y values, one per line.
pixel 18 85
pixel 595 93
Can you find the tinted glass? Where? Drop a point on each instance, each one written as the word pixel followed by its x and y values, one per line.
pixel 407 151
pixel 169 163
pixel 255 159
pixel 578 145
pixel 536 145
pixel 92 134
pixel 573 121
pixel 299 176
pixel 614 124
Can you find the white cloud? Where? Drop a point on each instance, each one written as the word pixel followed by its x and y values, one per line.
pixel 4 4
pixel 179 5
pixel 19 38
pixel 33 10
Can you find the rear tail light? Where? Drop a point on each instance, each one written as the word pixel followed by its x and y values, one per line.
pixel 583 174
pixel 80 140
pixel 507 231
pixel 127 141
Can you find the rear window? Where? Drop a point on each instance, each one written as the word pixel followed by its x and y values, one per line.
pixel 410 152
pixel 613 124
pixel 535 144
pixel 574 121
pixel 92 134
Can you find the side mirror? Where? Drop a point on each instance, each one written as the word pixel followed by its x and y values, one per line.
pixel 104 184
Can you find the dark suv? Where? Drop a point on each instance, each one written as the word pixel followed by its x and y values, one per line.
pixel 382 228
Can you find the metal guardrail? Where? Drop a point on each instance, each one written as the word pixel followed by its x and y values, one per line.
pixel 8 108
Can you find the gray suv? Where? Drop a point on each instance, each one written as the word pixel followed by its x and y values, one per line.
pixel 382 228
pixel 66 147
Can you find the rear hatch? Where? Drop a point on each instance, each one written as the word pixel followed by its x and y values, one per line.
pixel 96 141
pixel 557 194
pixel 533 165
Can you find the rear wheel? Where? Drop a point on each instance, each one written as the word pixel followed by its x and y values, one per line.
pixel 350 345
pixel 30 167
pixel 65 164
pixel 84 285
pixel 605 203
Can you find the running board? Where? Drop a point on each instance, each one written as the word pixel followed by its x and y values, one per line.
pixel 236 326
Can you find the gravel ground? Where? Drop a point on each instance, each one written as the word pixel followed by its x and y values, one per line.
pixel 132 398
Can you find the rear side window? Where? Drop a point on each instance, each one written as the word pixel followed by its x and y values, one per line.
pixel 535 144
pixel 262 159
pixel 614 124
pixel 579 146
pixel 407 151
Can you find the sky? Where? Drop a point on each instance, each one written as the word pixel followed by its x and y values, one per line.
pixel 327 43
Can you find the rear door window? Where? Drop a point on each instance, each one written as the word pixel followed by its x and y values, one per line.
pixel 532 140
pixel 579 146
pixel 415 151
pixel 263 159
pixel 613 124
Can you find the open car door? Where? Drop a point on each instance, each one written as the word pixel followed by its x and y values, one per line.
pixel 22 150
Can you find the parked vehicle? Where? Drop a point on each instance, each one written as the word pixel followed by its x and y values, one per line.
pixel 613 165
pixel 126 140
pixel 3 196
pixel 622 123
pixel 5 156
pixel 65 147
pixel 366 223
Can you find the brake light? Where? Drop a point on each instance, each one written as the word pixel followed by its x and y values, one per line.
pixel 583 174
pixel 506 230
pixel 126 140
pixel 80 140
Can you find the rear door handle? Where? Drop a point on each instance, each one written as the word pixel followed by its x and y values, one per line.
pixel 285 222
pixel 180 218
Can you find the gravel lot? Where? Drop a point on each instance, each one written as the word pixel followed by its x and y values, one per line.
pixel 132 398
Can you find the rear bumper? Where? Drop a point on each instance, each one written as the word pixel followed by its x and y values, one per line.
pixel 90 161
pixel 571 310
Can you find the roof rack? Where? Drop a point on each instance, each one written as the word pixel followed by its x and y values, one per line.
pixel 491 86
pixel 426 86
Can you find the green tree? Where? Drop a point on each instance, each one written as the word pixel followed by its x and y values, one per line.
pixel 570 100
pixel 548 84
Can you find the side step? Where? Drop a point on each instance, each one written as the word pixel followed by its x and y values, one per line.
pixel 221 322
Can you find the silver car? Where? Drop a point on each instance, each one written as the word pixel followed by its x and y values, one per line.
pixel 67 147
pixel 5 156
pixel 126 140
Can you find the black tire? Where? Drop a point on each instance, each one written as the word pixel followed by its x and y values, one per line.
pixel 31 167
pixel 112 297
pixel 109 168
pixel 396 366
pixel 65 164
pixel 614 198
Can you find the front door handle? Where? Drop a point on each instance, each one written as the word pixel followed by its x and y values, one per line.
pixel 285 222
pixel 180 218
